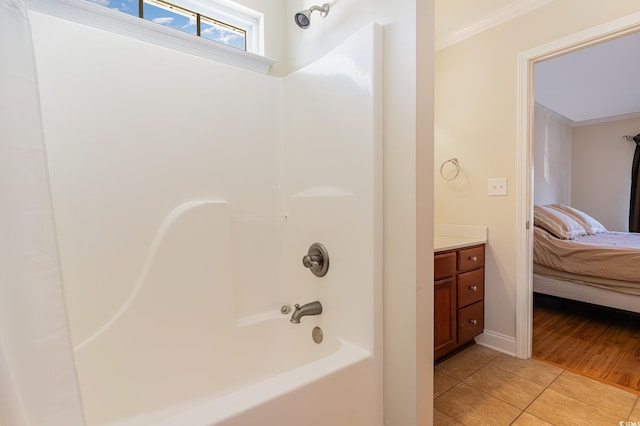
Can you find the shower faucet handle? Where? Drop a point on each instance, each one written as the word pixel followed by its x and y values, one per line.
pixel 312 261
pixel 317 260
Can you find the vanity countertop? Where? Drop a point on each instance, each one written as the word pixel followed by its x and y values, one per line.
pixel 443 242
pixel 451 237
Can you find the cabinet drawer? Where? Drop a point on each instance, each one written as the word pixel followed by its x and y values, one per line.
pixel 470 322
pixel 470 287
pixel 471 258
pixel 444 265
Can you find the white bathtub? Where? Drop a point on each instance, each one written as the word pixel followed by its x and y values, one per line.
pixel 178 349
pixel 334 390
pixel 271 369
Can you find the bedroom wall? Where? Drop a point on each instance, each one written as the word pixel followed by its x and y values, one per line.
pixel 475 119
pixel 552 138
pixel 603 191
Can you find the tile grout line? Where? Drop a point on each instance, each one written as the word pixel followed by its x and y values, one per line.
pixel 492 396
pixel 533 359
pixel 637 404
pixel 449 388
pixel 489 395
pixel 563 371
pixel 599 380
pixel 459 381
pixel 538 396
pixel 522 410
pixel 544 388
pixel 602 383
pixel 586 402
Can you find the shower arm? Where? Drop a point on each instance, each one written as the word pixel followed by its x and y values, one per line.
pixel 324 9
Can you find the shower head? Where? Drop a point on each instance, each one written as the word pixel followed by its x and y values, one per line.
pixel 303 19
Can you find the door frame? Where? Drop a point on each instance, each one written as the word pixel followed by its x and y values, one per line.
pixel 525 110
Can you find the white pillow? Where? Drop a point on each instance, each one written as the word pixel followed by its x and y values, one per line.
pixel 557 223
pixel 590 224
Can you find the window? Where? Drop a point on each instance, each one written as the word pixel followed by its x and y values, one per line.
pixel 215 22
pixel 175 24
pixel 222 33
pixel 171 16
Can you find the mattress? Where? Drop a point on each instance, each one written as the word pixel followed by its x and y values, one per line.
pixel 605 283
pixel 608 260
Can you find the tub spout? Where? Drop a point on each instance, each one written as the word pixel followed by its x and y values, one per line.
pixel 313 308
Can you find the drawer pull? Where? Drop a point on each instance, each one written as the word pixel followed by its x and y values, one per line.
pixel 473 288
pixel 474 322
pixel 473 258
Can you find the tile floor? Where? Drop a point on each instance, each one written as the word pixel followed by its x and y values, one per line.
pixel 480 386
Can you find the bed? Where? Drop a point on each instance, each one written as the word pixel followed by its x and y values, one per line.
pixel 576 258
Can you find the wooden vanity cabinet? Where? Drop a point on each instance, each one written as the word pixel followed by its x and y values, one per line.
pixel 458 298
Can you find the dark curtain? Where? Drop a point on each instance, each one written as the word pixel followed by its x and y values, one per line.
pixel 634 207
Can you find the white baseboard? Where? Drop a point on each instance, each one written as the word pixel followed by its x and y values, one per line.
pixel 497 341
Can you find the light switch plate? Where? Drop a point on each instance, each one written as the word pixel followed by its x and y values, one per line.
pixel 497 186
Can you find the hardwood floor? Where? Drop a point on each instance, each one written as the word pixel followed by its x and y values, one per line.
pixel 597 342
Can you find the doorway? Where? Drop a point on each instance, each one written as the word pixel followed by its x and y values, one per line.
pixel 526 62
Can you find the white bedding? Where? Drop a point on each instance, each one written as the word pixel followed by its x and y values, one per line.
pixel 602 269
pixel 610 260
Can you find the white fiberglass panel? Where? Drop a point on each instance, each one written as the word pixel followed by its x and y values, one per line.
pixel 186 193
pixel 134 130
pixel 332 182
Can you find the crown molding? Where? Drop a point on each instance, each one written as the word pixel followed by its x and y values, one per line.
pixel 569 122
pixel 607 119
pixel 512 10
pixel 566 120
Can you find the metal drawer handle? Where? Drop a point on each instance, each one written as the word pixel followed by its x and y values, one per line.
pixel 474 322
pixel 473 288
pixel 473 258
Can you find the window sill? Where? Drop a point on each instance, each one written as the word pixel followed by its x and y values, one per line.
pixel 100 17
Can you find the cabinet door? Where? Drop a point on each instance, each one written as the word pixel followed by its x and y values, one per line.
pixel 445 316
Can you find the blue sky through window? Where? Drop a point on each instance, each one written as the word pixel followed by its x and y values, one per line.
pixel 129 7
pixel 209 29
pixel 182 21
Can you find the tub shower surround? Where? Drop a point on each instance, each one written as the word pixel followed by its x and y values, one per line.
pixel 185 200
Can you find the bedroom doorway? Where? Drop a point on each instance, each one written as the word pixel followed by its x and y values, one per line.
pixel 525 114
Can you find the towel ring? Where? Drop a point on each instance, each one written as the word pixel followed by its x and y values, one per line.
pixel 455 163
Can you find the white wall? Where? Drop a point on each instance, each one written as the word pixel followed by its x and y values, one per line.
pixel 601 172
pixel 476 95
pixel 586 166
pixel 275 23
pixel 10 409
pixel 552 136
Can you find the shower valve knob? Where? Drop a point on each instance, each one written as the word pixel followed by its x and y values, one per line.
pixel 317 260
pixel 312 261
